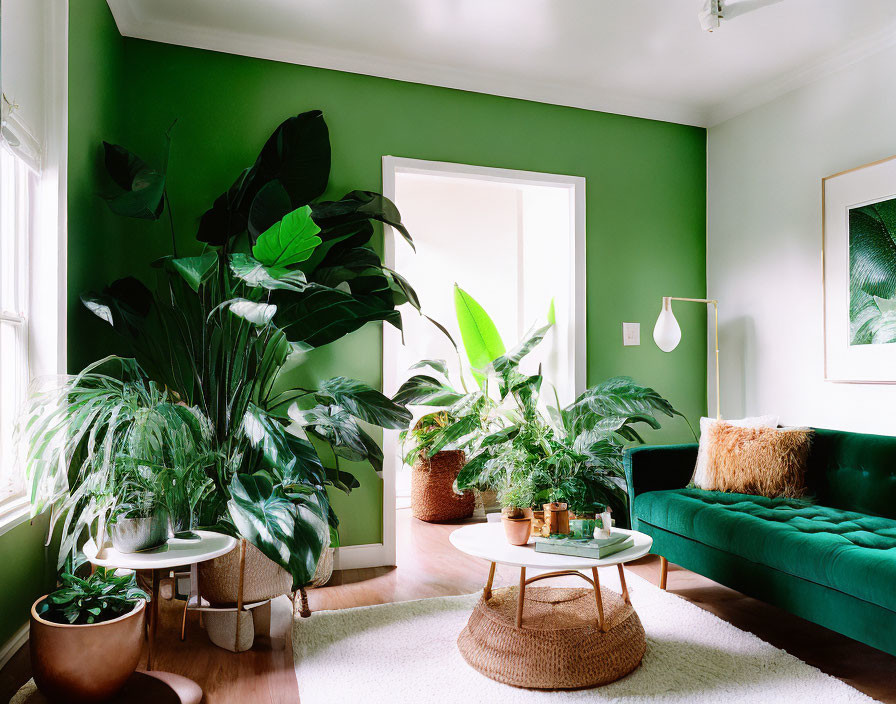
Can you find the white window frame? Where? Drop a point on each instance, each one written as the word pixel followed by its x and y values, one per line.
pixel 44 318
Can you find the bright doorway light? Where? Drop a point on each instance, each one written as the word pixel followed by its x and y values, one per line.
pixel 514 240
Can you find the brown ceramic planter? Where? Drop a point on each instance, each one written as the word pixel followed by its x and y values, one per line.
pixel 84 664
pixel 537 522
pixel 556 518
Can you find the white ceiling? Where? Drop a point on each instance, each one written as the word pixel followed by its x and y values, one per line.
pixel 647 58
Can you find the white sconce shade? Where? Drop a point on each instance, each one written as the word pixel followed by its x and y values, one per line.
pixel 666 332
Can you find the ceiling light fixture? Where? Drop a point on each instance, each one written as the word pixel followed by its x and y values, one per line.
pixel 709 14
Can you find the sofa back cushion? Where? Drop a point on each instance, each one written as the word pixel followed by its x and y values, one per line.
pixel 853 471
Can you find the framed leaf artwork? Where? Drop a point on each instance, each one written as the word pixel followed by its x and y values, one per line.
pixel 859 246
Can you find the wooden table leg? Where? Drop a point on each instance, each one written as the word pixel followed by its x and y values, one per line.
pixel 520 598
pixel 598 600
pixel 154 616
pixel 664 571
pixel 624 585
pixel 487 592
pixel 239 596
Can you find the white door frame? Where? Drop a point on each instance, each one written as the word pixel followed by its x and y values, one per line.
pixel 384 553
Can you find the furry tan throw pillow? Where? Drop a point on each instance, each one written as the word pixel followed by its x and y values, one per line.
pixel 764 461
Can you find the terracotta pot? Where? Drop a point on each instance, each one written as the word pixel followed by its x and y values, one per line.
pixel 556 518
pixel 517 529
pixel 78 664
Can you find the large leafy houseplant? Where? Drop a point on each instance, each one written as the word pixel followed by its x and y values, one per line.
pixel 526 447
pixel 101 596
pixel 96 440
pixel 282 271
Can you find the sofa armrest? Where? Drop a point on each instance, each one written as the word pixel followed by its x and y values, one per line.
pixel 657 467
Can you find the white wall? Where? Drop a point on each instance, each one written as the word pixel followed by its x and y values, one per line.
pixel 764 245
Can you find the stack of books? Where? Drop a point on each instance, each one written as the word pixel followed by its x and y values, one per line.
pixel 595 548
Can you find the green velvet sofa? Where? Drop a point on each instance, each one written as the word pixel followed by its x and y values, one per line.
pixel 830 558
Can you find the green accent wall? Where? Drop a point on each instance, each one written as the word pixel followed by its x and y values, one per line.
pixel 645 192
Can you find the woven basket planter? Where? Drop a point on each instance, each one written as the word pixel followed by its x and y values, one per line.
pixel 559 645
pixel 324 571
pixel 264 579
pixel 433 498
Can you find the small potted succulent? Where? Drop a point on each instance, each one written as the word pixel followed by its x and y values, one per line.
pixel 86 637
pixel 516 511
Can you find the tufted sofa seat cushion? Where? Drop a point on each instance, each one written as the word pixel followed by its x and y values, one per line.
pixel 851 552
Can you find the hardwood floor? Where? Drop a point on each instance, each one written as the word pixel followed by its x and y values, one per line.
pixel 429 566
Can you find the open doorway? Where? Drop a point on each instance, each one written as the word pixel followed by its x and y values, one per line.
pixel 515 241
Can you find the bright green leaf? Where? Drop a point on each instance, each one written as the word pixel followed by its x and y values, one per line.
pixel 478 332
pixel 290 241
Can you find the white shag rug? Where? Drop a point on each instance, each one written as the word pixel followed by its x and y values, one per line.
pixel 406 653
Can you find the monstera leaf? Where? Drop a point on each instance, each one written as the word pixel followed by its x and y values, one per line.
pixel 140 188
pixel 290 529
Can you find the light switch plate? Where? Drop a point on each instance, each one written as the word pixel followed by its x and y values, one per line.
pixel 631 334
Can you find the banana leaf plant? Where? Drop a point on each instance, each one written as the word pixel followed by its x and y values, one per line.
pixel 281 271
pixel 465 414
pixel 872 273
pixel 571 454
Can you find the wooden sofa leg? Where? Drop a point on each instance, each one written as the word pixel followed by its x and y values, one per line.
pixel 664 571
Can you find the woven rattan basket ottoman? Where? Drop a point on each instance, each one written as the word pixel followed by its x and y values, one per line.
pixel 559 645
pixel 433 498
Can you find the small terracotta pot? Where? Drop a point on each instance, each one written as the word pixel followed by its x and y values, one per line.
pixel 517 529
pixel 556 518
pixel 83 664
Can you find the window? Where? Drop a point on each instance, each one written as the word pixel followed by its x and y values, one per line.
pixel 33 148
pixel 18 189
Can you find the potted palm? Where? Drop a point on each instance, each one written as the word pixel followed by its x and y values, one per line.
pixel 86 637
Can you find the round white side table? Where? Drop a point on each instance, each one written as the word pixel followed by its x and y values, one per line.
pixel 175 553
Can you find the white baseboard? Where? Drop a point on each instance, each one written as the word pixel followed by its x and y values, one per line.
pixel 354 557
pixel 11 647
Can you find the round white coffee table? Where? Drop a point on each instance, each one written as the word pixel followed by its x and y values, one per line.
pixel 175 553
pixel 592 640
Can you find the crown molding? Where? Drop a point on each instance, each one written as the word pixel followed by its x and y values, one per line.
pixel 139 25
pixel 848 55
pixel 130 24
